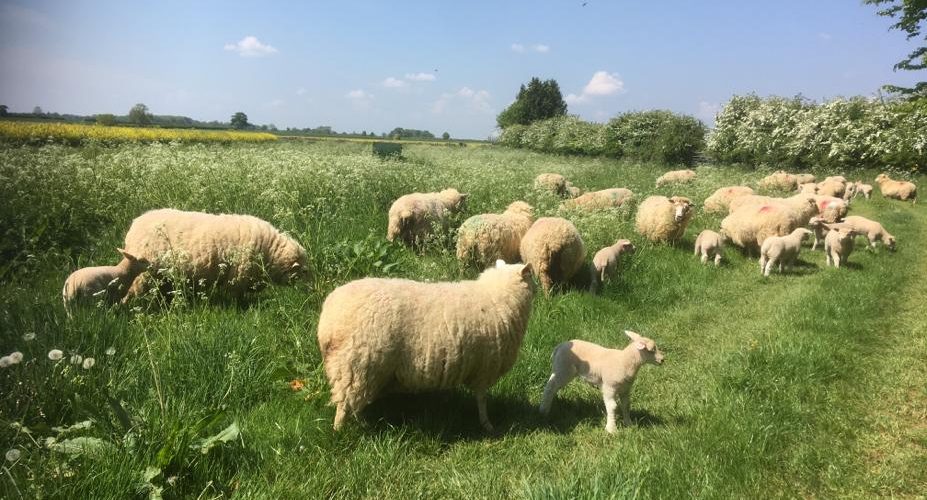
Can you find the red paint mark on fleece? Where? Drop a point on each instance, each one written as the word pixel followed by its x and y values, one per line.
pixel 766 208
pixel 822 205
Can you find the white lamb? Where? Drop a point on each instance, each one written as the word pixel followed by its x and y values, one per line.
pixel 482 239
pixel 611 370
pixel 782 250
pixel 864 189
pixel 664 219
pixel 710 245
pixel 607 260
pixel 676 176
pixel 819 229
pixel 412 217
pixel 379 335
pixel 107 283
pixel 872 230
pixel 838 244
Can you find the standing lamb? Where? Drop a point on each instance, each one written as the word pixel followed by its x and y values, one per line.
pixel 483 239
pixel 831 208
pixel 780 180
pixel 710 245
pixel 607 260
pixel 676 177
pixel 819 229
pixel 235 252
pixel 864 189
pixel 720 200
pixel 611 370
pixel 899 190
pixel 554 249
pixel 838 244
pixel 873 231
pixel 378 335
pixel 109 283
pixel 606 198
pixel 553 183
pixel 413 216
pixel 782 250
pixel 664 219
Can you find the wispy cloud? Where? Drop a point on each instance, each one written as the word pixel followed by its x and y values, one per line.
pixel 602 83
pixel 250 46
pixel 543 49
pixel 472 101
pixel 421 77
pixel 540 48
pixel 301 91
pixel 393 83
pixel 276 103
pixel 825 36
pixel 359 95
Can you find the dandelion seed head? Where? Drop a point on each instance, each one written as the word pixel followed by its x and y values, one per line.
pixel 88 363
pixel 16 357
pixel 13 455
pixel 55 354
pixel 5 361
pixel 28 337
pixel 76 359
pixel 111 351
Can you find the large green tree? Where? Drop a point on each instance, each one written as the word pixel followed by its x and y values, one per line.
pixel 536 101
pixel 910 16
pixel 240 121
pixel 139 114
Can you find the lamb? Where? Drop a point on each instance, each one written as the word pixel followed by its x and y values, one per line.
pixel 664 219
pixel 606 198
pixel 864 189
pixel 819 229
pixel 849 192
pixel 482 239
pixel 779 180
pixel 804 179
pixel 378 335
pixel 720 200
pixel 553 183
pixel 782 250
pixel 109 283
pixel 871 229
pixel 606 260
pixel 750 225
pixel 831 208
pixel 412 216
pixel 554 249
pixel 234 252
pixel 710 245
pixel 676 177
pixel 899 190
pixel 611 370
pixel 573 191
pixel 808 188
pixel 838 244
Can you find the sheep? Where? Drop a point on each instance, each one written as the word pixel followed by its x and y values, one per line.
pixel 720 200
pixel 864 189
pixel 849 192
pixel 482 239
pixel 838 244
pixel 573 191
pixel 554 249
pixel 899 190
pixel 664 219
pixel 778 180
pixel 808 188
pixel 804 204
pixel 611 370
pixel 819 229
pixel 750 225
pixel 804 179
pixel 676 177
pixel 412 216
pixel 831 208
pixel 832 186
pixel 377 335
pixel 871 229
pixel 109 283
pixel 553 183
pixel 782 250
pixel 709 244
pixel 606 260
pixel 606 198
pixel 234 252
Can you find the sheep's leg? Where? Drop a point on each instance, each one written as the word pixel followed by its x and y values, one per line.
pixel 481 408
pixel 836 259
pixel 608 395
pixel 704 257
pixel 340 414
pixel 717 259
pixel 769 265
pixel 626 409
pixel 762 264
pixel 556 382
pixel 814 245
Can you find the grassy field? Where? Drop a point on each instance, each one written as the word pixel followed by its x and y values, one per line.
pixel 803 385
pixel 26 131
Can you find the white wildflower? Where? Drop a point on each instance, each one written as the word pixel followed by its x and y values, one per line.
pixel 76 359
pixel 5 361
pixel 88 363
pixel 55 354
pixel 13 455
pixel 16 357
pixel 28 337
pixel 111 351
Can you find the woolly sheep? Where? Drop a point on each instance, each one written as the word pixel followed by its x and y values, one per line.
pixel 231 251
pixel 573 191
pixel 720 200
pixel 779 180
pixel 676 177
pixel 849 192
pixel 553 183
pixel 804 179
pixel 664 219
pixel 378 335
pixel 899 190
pixel 109 283
pixel 804 204
pixel 613 371
pixel 709 244
pixel 832 186
pixel 750 225
pixel 554 249
pixel 606 260
pixel 819 229
pixel 782 250
pixel 872 230
pixel 606 198
pixel 864 189
pixel 808 188
pixel 482 239
pixel 838 244
pixel 831 208
pixel 412 216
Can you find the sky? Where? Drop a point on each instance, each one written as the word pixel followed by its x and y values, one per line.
pixel 440 66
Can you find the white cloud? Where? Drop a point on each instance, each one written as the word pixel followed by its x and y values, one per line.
pixel 602 83
pixel 250 46
pixel 540 48
pixel 517 47
pixel 471 101
pixel 707 111
pixel 393 83
pixel 421 77
pixel 301 91
pixel 543 49
pixel 359 95
pixel 276 103
pixel 825 36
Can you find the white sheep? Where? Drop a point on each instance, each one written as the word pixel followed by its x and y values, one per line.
pixel 872 230
pixel 107 283
pixel 412 217
pixel 553 183
pixel 832 186
pixel 664 219
pixel 709 244
pixel 234 252
pixel 573 191
pixel 750 225
pixel 782 250
pixel 808 188
pixel 676 177
pixel 606 198
pixel 819 229
pixel 394 335
pixel 838 244
pixel 779 179
pixel 831 208
pixel 804 179
pixel 864 189
pixel 607 260
pixel 482 239
pixel 720 200
pixel 899 190
pixel 611 370
pixel 554 249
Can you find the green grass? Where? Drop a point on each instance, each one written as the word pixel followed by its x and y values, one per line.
pixel 809 384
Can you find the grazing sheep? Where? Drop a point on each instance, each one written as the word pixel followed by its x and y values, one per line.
pixel 379 335
pixel 606 260
pixel 804 179
pixel 808 188
pixel 482 239
pixel 554 249
pixel 606 198
pixel 832 186
pixel 872 230
pixel 819 229
pixel 664 219
pixel 831 208
pixel 676 177
pixel 864 189
pixel 780 180
pixel 899 190
pixel 838 244
pixel 720 200
pixel 750 225
pixel 573 191
pixel 552 183
pixel 611 370
pixel 412 216
pixel 782 250
pixel 710 245
pixel 109 283
pixel 804 204
pixel 234 252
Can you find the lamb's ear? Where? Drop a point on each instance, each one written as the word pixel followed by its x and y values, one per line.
pixel 463 196
pixel 296 266
pixel 640 346
pixel 500 263
pixel 631 335
pixel 126 254
pixel 526 271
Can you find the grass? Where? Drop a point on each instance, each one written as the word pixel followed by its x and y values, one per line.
pixel 808 384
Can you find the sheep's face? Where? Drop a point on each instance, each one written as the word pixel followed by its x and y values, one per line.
pixel 646 347
pixel 803 233
pixel 881 177
pixel 133 265
pixel 682 208
pixel 520 208
pixel 523 270
pixel 890 242
pixel 625 246
pixel 454 199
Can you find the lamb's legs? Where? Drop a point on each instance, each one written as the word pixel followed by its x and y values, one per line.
pixel 717 259
pixel 836 259
pixel 769 265
pixel 340 414
pixel 608 395
pixel 626 409
pixel 554 384
pixel 481 407
pixel 704 257
pixel 762 264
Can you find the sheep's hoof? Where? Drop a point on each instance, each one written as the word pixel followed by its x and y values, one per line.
pixel 611 428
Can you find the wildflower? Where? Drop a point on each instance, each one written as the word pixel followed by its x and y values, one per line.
pixel 296 384
pixel 16 357
pixel 88 363
pixel 55 354
pixel 13 455
pixel 5 361
pixel 111 351
pixel 28 337
pixel 76 359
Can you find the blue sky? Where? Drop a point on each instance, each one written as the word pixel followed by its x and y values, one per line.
pixel 433 65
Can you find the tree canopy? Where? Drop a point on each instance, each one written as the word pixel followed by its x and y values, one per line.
pixel 538 101
pixel 139 114
pixel 910 17
pixel 240 121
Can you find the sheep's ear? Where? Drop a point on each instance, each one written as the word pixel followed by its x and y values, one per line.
pixel 640 346
pixel 295 266
pixel 500 263
pixel 126 254
pixel 463 196
pixel 631 335
pixel 526 271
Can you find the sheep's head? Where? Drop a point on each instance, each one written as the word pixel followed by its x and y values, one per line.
pixel 889 241
pixel 625 246
pixel 454 199
pixel 816 222
pixel 522 270
pixel 646 347
pixel 682 208
pixel 802 233
pixel 520 208
pixel 881 178
pixel 131 263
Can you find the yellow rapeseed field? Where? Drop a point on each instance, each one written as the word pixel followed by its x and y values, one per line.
pixel 75 132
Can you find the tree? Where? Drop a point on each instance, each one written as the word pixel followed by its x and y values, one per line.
pixel 139 114
pixel 4 110
pixel 446 136
pixel 538 101
pixel 240 121
pixel 911 17
pixel 106 119
pixel 37 111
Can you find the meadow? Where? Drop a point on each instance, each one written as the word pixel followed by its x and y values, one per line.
pixel 808 384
